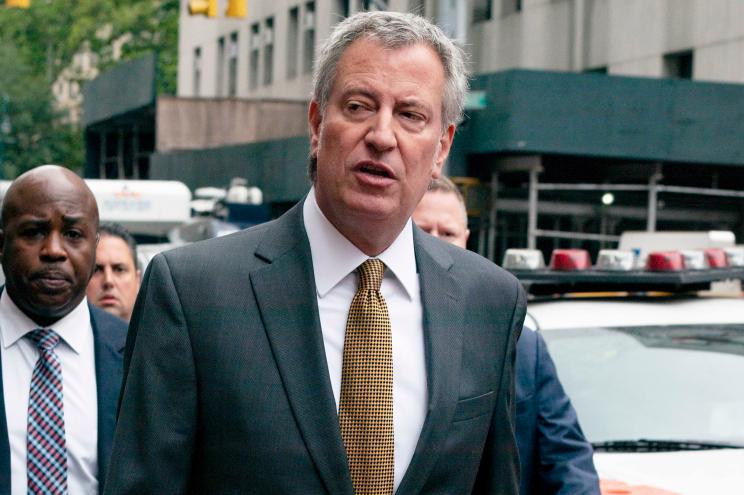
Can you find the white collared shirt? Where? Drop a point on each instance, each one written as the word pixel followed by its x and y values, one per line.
pixel 335 260
pixel 80 398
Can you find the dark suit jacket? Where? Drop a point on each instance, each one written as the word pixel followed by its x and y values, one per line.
pixel 109 335
pixel 226 386
pixel 555 457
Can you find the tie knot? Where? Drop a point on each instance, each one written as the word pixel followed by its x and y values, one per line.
pixel 370 274
pixel 45 339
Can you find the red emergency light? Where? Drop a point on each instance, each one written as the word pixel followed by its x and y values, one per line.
pixel 665 261
pixel 567 260
pixel 716 257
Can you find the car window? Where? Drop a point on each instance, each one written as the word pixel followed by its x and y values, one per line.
pixel 677 382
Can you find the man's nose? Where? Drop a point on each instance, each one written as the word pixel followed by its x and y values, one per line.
pixel 53 247
pixel 108 277
pixel 381 135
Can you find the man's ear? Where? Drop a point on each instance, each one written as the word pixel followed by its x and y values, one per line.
pixel 443 149
pixel 314 118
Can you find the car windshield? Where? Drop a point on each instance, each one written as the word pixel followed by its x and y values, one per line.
pixel 671 383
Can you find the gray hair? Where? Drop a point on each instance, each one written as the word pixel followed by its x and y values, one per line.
pixel 394 30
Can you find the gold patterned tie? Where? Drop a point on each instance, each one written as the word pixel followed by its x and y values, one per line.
pixel 366 404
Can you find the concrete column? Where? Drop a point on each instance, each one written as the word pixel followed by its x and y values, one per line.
pixel 656 176
pixel 492 216
pixel 532 211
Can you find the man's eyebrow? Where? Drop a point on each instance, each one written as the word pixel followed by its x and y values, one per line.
pixel 413 102
pixel 33 221
pixel 358 91
pixel 72 219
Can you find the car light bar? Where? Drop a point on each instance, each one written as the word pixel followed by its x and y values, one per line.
pixel 665 261
pixel 694 259
pixel 716 257
pixel 665 271
pixel 734 256
pixel 566 260
pixel 615 260
pixel 527 259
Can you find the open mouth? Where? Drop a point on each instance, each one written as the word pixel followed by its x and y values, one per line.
pixel 376 169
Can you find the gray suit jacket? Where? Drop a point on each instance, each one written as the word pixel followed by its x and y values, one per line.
pixel 227 388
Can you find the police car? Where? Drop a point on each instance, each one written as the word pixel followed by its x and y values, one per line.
pixel 653 366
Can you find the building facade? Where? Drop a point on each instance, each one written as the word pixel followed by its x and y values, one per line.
pixel 637 97
pixel 269 54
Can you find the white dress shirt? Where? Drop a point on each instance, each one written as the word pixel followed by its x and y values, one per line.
pixel 335 260
pixel 80 398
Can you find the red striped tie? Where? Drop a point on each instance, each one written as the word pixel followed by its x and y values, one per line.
pixel 46 460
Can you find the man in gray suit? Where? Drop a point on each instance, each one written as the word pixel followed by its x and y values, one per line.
pixel 240 356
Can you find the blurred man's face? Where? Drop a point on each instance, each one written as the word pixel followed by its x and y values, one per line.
pixel 442 215
pixel 380 140
pixel 115 281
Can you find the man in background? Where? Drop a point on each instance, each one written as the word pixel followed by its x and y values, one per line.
pixel 61 358
pixel 116 279
pixel 555 458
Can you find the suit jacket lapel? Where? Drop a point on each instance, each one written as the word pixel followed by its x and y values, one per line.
pixel 108 346
pixel 443 322
pixel 286 296
pixel 108 354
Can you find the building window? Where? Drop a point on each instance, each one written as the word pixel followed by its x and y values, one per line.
pixel 197 71
pixel 374 5
pixel 509 7
pixel 268 39
pixel 340 11
pixel 308 38
pixel 232 65
pixel 293 40
pixel 679 65
pixel 481 10
pixel 220 67
pixel 597 70
pixel 418 7
pixel 254 48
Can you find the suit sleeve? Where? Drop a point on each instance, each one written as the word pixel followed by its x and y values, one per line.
pixel 499 470
pixel 153 443
pixel 565 456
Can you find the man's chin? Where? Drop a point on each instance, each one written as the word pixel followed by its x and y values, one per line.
pixel 47 310
pixel 114 310
pixel 371 207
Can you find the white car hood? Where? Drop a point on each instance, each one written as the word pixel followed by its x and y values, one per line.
pixel 707 472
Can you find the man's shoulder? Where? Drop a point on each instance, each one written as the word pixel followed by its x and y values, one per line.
pixel 245 240
pixel 108 326
pixel 467 266
pixel 102 317
pixel 273 236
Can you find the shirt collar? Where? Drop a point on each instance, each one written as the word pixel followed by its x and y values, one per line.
pixel 14 324
pixel 334 256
